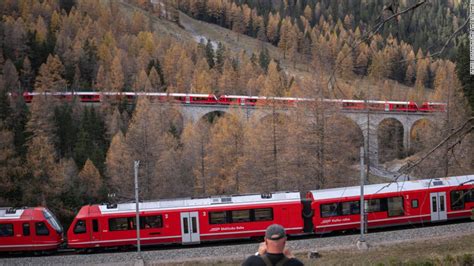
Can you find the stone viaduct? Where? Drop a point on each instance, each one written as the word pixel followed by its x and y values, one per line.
pixel 367 122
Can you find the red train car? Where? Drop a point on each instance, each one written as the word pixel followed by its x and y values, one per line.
pixel 185 221
pixel 29 229
pixel 392 204
pixel 433 107
pixel 402 106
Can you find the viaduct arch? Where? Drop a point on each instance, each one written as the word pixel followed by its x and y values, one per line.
pixel 367 122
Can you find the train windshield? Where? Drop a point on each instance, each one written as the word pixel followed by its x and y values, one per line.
pixel 52 220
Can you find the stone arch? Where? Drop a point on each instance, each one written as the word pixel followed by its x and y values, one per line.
pixel 422 132
pixel 211 116
pixel 390 132
pixel 349 132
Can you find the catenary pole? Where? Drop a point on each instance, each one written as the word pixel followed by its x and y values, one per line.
pixel 137 224
pixel 361 244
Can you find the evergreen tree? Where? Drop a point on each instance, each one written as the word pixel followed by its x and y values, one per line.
pixel 210 54
pixel 66 129
pixel 264 59
pixel 462 70
pixel 10 77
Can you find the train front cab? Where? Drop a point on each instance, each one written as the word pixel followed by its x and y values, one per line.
pixel 33 229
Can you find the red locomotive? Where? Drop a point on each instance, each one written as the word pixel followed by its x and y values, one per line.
pixel 29 229
pixel 186 98
pixel 190 221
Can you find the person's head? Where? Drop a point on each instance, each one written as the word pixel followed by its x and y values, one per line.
pixel 275 238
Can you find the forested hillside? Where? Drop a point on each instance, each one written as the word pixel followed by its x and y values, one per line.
pixel 64 154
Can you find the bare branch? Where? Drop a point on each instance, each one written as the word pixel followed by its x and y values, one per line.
pixel 410 167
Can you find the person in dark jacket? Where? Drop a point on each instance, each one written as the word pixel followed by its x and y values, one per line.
pixel 272 251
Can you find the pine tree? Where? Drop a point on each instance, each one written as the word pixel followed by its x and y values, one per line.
pixel 227 80
pixel 345 62
pixel 145 143
pixel 120 167
pixel 90 183
pixel 65 129
pixel 155 80
pixel 264 59
pixel 224 163
pixel 42 161
pixel 10 77
pixel 284 42
pixel 116 75
pixel 462 70
pixel 273 28
pixel 142 82
pixel 50 77
pixel 26 75
pixel 10 167
pixel 210 54
pixel 273 82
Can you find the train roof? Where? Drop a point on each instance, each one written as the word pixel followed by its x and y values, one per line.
pixel 10 213
pixel 332 193
pixel 202 202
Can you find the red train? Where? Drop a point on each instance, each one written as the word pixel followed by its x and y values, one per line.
pixel 29 229
pixel 190 221
pixel 186 98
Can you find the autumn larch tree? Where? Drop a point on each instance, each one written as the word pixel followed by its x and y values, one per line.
pixel 50 76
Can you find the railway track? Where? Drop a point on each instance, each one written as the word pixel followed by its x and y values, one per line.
pixel 242 248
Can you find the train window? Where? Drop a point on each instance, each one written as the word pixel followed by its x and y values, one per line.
pixel 185 226
pixel 240 216
pixel 6 230
pixel 457 200
pixel 26 229
pixel 41 229
pixel 414 203
pixel 95 225
pixel 121 224
pixel 151 222
pixel 376 205
pixel 80 227
pixel 395 206
pixel 194 224
pixel 218 217
pixel 328 210
pixel 263 214
pixel 350 207
pixel 469 197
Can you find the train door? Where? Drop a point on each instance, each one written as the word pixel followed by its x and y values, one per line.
pixel 438 206
pixel 188 99
pixel 26 232
pixel 190 228
pixel 95 230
